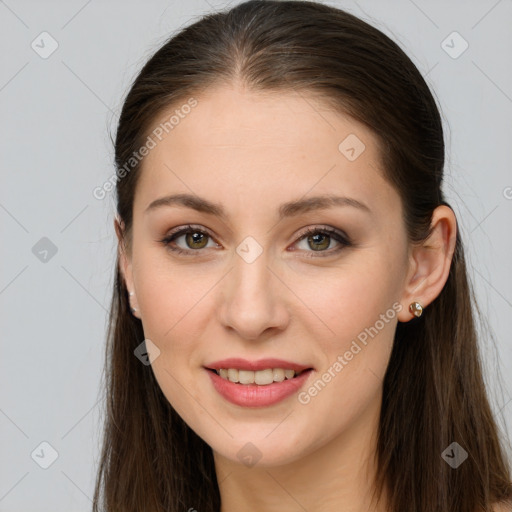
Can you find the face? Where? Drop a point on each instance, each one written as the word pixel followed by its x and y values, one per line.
pixel 318 288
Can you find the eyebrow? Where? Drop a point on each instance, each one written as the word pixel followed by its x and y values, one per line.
pixel 289 209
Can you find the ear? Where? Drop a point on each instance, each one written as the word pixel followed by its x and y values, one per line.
pixel 125 266
pixel 430 262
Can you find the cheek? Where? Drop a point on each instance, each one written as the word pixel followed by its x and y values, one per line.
pixel 170 302
pixel 348 299
pixel 357 307
pixel 170 297
pixel 176 306
pixel 354 319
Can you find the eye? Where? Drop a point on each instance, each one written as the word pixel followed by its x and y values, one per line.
pixel 318 239
pixel 195 239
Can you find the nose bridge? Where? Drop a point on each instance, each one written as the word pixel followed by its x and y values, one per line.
pixel 251 301
pixel 251 279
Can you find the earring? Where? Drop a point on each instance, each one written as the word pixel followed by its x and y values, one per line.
pixel 416 308
pixel 132 309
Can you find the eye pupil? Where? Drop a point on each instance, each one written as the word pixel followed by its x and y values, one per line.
pixel 325 237
pixel 194 238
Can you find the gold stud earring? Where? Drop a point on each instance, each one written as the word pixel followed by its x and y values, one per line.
pixel 416 308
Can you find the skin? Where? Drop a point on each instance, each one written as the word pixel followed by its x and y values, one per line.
pixel 251 152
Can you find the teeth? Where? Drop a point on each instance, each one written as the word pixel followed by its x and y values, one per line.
pixel 261 377
pixel 232 375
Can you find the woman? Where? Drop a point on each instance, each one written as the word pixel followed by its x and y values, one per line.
pixel 291 326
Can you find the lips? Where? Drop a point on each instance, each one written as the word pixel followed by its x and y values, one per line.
pixel 255 395
pixel 262 364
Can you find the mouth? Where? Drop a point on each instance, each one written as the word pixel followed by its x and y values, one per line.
pixel 261 377
pixel 262 372
pixel 258 388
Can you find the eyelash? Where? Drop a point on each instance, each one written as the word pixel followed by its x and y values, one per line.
pixel 342 239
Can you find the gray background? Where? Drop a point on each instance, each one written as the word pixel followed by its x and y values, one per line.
pixel 56 113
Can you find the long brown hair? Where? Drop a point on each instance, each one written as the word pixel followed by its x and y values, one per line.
pixel 433 390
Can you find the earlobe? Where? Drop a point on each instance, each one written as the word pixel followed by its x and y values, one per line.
pixel 125 266
pixel 430 264
pixel 133 300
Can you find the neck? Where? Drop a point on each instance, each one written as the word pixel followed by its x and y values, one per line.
pixel 337 476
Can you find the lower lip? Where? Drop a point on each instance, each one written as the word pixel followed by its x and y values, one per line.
pixel 256 395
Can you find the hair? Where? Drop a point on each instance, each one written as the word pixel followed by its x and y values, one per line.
pixel 433 390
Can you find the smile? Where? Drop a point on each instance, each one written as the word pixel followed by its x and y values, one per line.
pixel 260 377
pixel 252 394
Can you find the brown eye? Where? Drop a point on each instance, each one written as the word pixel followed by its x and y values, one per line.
pixel 196 237
pixel 194 240
pixel 319 239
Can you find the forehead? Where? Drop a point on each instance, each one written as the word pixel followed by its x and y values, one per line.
pixel 231 115
pixel 241 145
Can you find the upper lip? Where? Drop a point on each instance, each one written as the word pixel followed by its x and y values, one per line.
pixel 261 364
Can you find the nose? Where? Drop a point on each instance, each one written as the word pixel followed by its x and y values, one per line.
pixel 253 299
